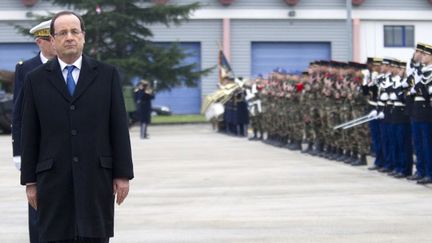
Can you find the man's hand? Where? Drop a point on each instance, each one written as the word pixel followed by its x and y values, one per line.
pixel 31 192
pixel 121 188
pixel 17 162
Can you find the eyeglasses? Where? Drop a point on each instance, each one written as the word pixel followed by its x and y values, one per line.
pixel 64 33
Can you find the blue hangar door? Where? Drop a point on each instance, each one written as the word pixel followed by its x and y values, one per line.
pixel 11 54
pixel 294 57
pixel 184 100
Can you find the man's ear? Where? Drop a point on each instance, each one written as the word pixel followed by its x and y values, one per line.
pixel 38 41
pixel 52 42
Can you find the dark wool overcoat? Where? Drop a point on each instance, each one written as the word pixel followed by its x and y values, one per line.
pixel 73 147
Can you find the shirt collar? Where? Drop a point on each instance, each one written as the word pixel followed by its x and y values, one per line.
pixel 77 63
pixel 43 58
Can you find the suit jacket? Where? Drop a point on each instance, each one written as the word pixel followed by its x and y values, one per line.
pixel 21 71
pixel 73 147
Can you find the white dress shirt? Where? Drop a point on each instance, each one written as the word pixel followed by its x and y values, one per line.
pixel 75 72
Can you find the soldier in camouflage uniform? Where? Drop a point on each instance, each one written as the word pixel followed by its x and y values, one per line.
pixel 360 134
pixel 305 102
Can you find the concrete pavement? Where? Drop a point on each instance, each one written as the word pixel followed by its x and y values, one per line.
pixel 194 185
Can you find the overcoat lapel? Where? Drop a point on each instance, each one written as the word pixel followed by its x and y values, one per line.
pixel 87 75
pixel 57 79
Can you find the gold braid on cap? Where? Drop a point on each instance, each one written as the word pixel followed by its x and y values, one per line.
pixel 42 33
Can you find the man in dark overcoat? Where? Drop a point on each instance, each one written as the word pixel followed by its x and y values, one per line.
pixel 76 155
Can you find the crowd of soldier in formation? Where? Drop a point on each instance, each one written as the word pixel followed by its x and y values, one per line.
pixel 387 100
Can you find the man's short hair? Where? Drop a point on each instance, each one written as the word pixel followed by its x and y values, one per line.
pixel 52 31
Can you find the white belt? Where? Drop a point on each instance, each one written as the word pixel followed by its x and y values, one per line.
pixel 419 98
pixel 372 103
pixel 380 103
pixel 389 103
pixel 398 103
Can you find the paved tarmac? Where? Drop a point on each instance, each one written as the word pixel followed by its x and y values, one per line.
pixel 195 185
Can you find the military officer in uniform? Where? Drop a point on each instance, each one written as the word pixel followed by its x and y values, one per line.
pixel 41 34
pixel 402 149
pixel 422 114
pixel 370 89
pixel 414 74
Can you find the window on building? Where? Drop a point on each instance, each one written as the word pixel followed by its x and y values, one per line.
pixel 398 36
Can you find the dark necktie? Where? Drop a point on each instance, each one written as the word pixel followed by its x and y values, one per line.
pixel 70 82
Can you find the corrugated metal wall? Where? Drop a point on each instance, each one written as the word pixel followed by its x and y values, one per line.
pixel 293 57
pixel 17 5
pixel 313 4
pixel 259 4
pixel 266 4
pixel 183 100
pixel 246 31
pixel 396 5
pixel 8 33
pixel 208 33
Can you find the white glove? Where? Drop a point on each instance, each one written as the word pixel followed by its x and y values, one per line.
pixel 366 76
pixel 405 83
pixel 384 96
pixel 374 79
pixel 373 113
pixel 412 90
pixel 17 162
pixel 393 96
pixel 381 115
pixel 410 70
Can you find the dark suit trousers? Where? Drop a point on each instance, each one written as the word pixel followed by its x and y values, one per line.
pixel 33 220
pixel 83 240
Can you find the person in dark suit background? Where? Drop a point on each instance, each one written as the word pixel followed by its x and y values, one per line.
pixel 143 96
pixel 46 51
pixel 76 154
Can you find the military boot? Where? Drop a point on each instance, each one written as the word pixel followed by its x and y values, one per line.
pixel 267 141
pixel 296 145
pixel 328 152
pixel 340 155
pixel 309 148
pixel 360 161
pixel 354 158
pixel 334 153
pixel 347 158
pixel 314 150
pixel 288 144
pixel 321 150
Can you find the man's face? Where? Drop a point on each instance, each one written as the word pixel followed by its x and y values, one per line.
pixel 418 56
pixel 427 59
pixel 68 39
pixel 46 47
pixel 401 71
pixel 385 68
